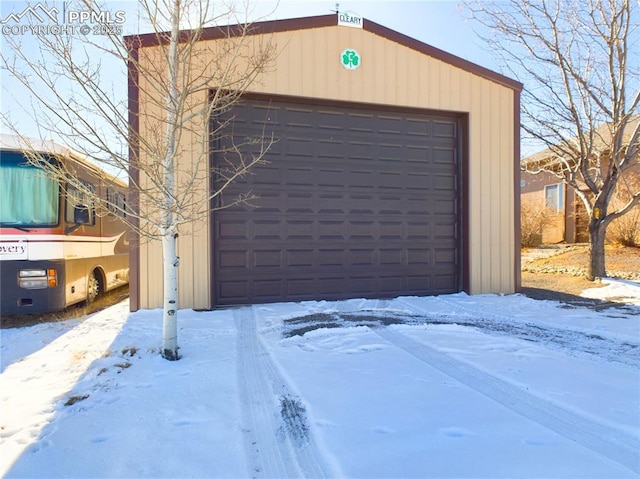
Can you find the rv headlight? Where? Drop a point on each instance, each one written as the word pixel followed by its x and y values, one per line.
pixel 32 273
pixel 33 278
pixel 40 283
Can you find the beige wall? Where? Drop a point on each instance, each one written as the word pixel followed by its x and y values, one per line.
pixel 308 65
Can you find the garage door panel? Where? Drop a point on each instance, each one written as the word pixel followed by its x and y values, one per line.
pixel 267 289
pixel 418 256
pixel 443 156
pixel 233 259
pixel 446 182
pixel 232 230
pixel 267 174
pixel 328 258
pixel 418 127
pixel 390 230
pixel 299 258
pixel 351 202
pixel 442 283
pixel 416 181
pixel 299 230
pixel 268 258
pixel 297 117
pixel 299 176
pixel 392 285
pixel 443 206
pixel 389 125
pixel 361 149
pixel 232 291
pixel 418 231
pixel 416 155
pixel 264 230
pixel 443 256
pixel 444 129
pixel 444 229
pixel 329 119
pixel 299 147
pixel 330 177
pixel 268 206
pixel 362 257
pixel 299 288
pixel 331 230
pixel 362 285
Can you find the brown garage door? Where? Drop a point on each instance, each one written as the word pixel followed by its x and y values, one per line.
pixel 353 202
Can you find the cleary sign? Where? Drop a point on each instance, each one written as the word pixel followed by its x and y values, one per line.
pixel 349 19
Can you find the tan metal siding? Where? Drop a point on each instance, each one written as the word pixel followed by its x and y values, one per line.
pixel 308 65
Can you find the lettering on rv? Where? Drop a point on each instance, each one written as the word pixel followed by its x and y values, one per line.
pixel 12 249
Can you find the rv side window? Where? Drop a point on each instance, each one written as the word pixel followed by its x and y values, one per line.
pixel 116 202
pixel 79 209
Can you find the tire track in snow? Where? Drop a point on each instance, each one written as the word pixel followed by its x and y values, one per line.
pixel 613 444
pixel 567 340
pixel 278 442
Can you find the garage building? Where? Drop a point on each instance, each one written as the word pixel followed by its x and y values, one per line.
pixel 396 174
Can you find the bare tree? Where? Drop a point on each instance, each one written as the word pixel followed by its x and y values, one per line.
pixel 625 230
pixel 184 86
pixel 580 64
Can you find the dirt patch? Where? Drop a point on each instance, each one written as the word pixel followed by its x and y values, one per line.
pixel 560 275
pixel 301 325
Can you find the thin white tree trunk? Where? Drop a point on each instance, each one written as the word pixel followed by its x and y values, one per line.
pixel 169 234
pixel 170 306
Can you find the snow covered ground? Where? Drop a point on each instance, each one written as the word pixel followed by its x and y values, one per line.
pixel 446 387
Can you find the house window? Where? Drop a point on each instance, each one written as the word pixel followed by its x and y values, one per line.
pixel 554 197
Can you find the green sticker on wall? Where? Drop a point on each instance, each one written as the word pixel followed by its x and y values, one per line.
pixel 350 59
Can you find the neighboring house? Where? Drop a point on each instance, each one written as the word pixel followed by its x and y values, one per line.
pixel 566 217
pixel 398 177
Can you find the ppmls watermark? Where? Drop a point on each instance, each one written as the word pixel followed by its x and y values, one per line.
pixel 40 19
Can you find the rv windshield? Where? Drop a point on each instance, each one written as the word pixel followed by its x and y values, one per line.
pixel 29 196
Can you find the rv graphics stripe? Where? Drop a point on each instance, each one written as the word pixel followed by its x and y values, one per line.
pixel 50 247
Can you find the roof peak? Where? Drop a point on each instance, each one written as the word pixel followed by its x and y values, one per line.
pixel 323 21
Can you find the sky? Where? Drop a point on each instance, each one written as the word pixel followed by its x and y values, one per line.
pixel 438 23
pixel 451 386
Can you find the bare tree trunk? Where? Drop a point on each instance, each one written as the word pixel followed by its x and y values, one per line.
pixel 169 233
pixel 597 230
pixel 170 305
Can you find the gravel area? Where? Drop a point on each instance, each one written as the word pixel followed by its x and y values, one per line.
pixel 557 272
